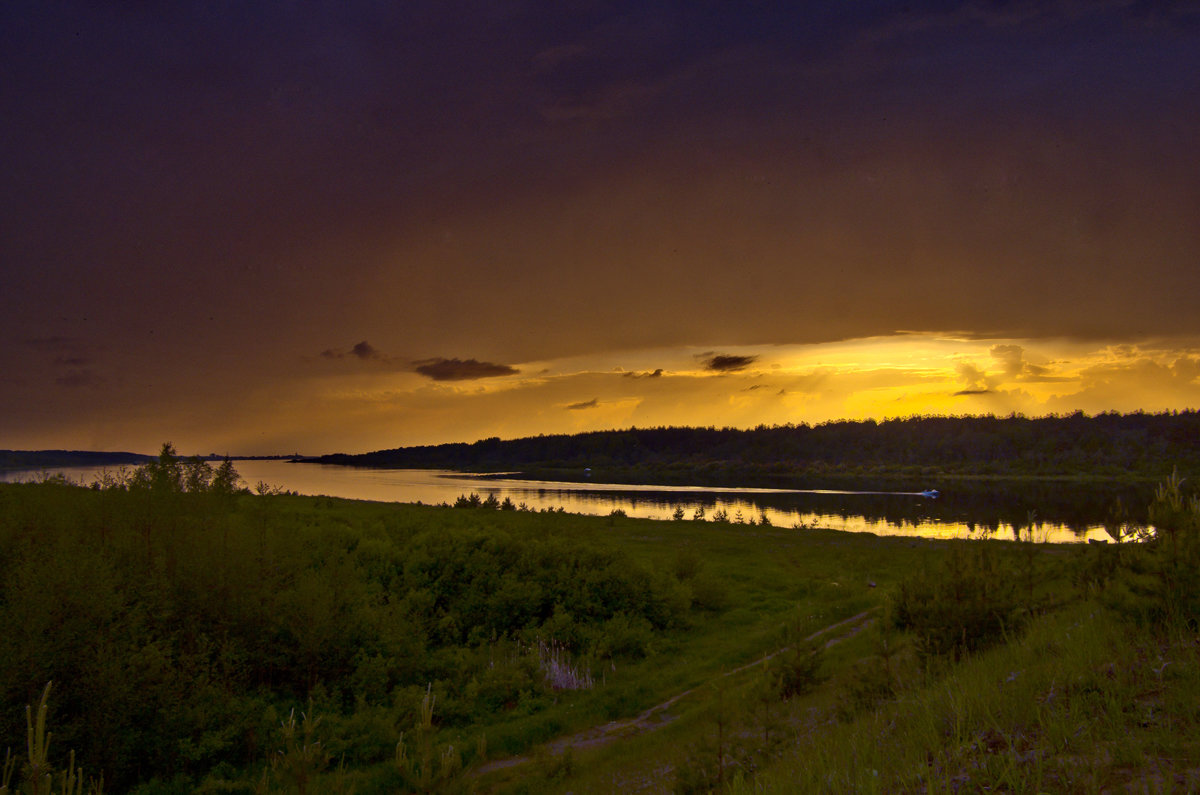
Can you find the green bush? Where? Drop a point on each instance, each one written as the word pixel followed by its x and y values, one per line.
pixel 624 637
pixel 968 603
pixel 1159 583
pixel 798 669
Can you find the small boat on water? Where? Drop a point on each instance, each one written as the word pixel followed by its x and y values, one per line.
pixel 933 494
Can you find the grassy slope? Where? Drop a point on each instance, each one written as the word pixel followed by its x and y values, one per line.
pixel 778 581
pixel 1080 704
pixel 765 580
pixel 649 761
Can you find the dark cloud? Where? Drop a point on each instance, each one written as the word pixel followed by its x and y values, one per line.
pixel 587 404
pixel 726 363
pixel 79 379
pixel 53 344
pixel 977 391
pixel 68 357
pixel 461 370
pixel 656 374
pixel 63 351
pixel 350 166
pixel 72 361
pixel 363 351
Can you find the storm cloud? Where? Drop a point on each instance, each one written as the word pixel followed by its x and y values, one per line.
pixel 575 186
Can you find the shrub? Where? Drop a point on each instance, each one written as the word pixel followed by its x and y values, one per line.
pixel 868 684
pixel 624 636
pixel 709 592
pixel 966 604
pixel 1159 583
pixel 797 669
pixel 687 564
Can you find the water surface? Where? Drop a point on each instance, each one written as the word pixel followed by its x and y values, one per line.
pixel 1058 513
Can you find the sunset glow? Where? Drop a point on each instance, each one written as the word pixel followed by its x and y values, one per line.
pixel 379 226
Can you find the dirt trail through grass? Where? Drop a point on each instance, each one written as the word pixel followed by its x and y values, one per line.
pixel 655 718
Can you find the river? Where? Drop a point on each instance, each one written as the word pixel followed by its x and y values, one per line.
pixel 1058 513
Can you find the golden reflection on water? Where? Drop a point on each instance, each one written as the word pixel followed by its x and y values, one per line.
pixel 433 487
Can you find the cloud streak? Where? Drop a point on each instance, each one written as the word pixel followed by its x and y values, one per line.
pixel 725 363
pixel 462 369
pixel 362 351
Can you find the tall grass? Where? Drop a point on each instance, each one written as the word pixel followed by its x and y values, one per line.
pixel 1075 705
pixel 38 774
pixel 1100 695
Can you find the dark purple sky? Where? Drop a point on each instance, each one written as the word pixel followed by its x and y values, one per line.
pixel 199 199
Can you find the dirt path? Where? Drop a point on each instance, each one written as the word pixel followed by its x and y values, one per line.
pixel 654 717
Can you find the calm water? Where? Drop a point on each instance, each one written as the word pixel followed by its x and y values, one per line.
pixel 1059 513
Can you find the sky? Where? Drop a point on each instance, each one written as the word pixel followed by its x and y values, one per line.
pixel 314 227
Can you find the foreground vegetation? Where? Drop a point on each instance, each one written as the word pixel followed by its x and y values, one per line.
pixel 203 638
pixel 188 625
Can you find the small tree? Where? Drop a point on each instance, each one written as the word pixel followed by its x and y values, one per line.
pixel 225 480
pixel 197 475
pixel 37 772
pixel 162 476
pixel 167 474
pixel 302 757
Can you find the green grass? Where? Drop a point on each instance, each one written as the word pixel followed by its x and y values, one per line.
pixel 217 617
pixel 1079 704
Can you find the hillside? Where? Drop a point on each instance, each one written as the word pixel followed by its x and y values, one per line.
pixel 53 459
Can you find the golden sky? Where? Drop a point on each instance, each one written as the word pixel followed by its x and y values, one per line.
pixel 263 228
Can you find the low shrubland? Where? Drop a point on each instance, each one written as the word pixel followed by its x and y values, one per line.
pixel 201 637
pixel 179 628
pixel 993 666
pixel 187 624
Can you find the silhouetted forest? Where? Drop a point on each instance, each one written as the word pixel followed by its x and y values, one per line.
pixel 53 459
pixel 1140 446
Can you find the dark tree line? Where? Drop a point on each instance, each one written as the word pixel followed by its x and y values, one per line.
pixel 1140 445
pixel 53 459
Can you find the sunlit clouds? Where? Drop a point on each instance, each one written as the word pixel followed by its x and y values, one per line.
pixel 877 377
pixel 351 226
pixel 353 404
